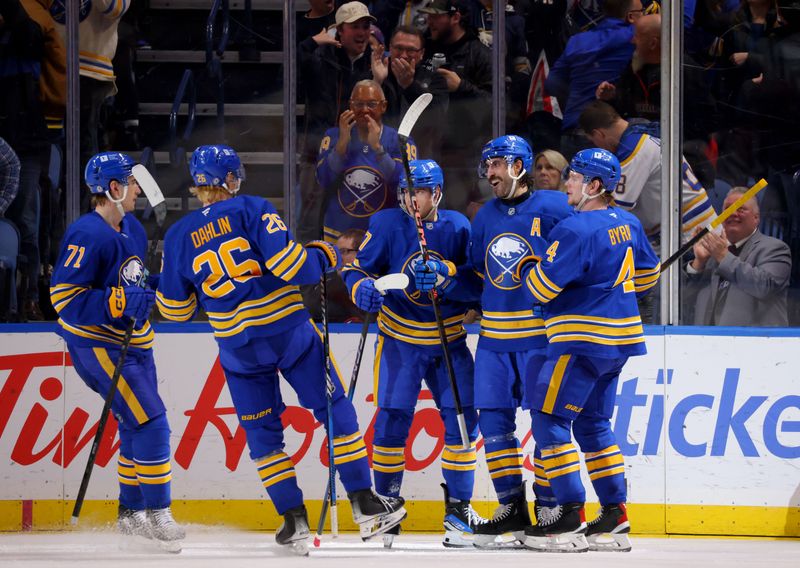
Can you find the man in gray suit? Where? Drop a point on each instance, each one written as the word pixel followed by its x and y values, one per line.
pixel 740 275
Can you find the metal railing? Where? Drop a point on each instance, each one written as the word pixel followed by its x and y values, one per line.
pixel 177 154
pixel 214 55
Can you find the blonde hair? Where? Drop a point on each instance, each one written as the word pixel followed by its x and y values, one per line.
pixel 555 159
pixel 208 194
pixel 98 199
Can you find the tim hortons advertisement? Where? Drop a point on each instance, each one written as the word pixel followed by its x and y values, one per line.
pixel 701 420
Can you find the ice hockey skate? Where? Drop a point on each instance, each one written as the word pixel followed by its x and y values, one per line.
pixel 388 536
pixel 546 514
pixel 609 531
pixel 375 514
pixel 131 522
pixel 293 532
pixel 460 520
pixel 565 533
pixel 165 530
pixel 506 527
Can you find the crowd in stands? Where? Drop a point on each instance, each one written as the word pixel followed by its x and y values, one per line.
pixel 572 68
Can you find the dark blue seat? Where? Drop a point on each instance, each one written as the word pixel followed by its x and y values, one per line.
pixel 9 252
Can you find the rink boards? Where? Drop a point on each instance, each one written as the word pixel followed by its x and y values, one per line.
pixel 709 425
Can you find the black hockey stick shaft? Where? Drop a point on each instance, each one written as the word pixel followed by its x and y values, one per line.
pixel 350 393
pixel 330 499
pixel 423 247
pixel 747 196
pixel 101 425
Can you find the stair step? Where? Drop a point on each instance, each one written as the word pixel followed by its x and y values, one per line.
pixel 300 5
pixel 210 109
pixel 248 158
pixel 189 56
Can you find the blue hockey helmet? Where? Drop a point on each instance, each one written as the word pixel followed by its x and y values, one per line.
pixel 210 165
pixel 105 167
pixel 424 173
pixel 596 163
pixel 511 148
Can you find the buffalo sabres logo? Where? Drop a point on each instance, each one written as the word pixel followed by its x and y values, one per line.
pixel 362 191
pixel 502 256
pixel 131 272
pixel 58 10
pixel 411 292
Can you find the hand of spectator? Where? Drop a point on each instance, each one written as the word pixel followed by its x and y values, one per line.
pixel 717 245
pixel 451 77
pixel 324 38
pixel 605 91
pixel 739 58
pixel 758 80
pixel 380 65
pixel 701 253
pixel 373 134
pixel 346 122
pixel 403 72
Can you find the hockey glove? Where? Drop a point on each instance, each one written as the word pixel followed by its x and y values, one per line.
pixel 433 274
pixel 366 297
pixel 330 252
pixel 131 301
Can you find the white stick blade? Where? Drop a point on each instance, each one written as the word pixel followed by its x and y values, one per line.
pixel 148 184
pixel 413 112
pixel 398 281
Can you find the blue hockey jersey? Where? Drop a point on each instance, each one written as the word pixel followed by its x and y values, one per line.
pixel 503 233
pixel 588 281
pixel 93 258
pixel 238 261
pixel 391 246
pixel 359 184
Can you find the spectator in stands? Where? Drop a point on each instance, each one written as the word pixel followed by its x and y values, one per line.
pixel 318 18
pixel 741 276
pixel 392 14
pixel 637 95
pixel 341 308
pixel 591 57
pixel 547 170
pixel 330 67
pixel 9 176
pixel 22 125
pixel 404 77
pixel 359 162
pixel 97 33
pixel 468 74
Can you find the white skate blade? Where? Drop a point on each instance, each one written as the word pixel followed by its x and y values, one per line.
pixel 379 524
pixel 397 281
pixel 610 542
pixel 388 540
pixel 505 541
pixel 141 544
pixel 565 542
pixel 458 539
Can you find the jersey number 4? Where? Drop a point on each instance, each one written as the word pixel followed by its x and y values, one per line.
pixel 626 272
pixel 224 268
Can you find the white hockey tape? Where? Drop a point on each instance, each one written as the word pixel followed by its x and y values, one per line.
pixel 398 281
pixel 148 185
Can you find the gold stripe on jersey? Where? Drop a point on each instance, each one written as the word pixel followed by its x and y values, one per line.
pixel 456 458
pixel 595 329
pixel 542 288
pixel 555 385
pixel 62 294
pixel 419 333
pixel 286 263
pixel 262 311
pixel 348 448
pixel 511 325
pixel 176 310
pixel 376 369
pixel 604 463
pixel 356 266
pixel 646 279
pixel 123 387
pixel 142 338
pixel 642 139
pixel 561 461
pixel 388 460
pixel 699 220
pixel 126 471
pixel 274 469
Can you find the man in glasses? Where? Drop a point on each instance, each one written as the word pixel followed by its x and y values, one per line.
pixel 359 162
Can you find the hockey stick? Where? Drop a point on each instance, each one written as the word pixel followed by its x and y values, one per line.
pixel 329 390
pixel 749 194
pixel 397 281
pixel 156 198
pixel 413 113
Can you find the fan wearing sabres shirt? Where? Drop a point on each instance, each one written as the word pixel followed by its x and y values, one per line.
pixel 236 259
pixel 408 347
pixel 513 225
pixel 98 288
pixel 588 280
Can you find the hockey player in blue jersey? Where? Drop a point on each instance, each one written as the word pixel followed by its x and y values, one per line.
pixel 408 349
pixel 588 280
pixel 98 287
pixel 513 225
pixel 359 162
pixel 236 259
